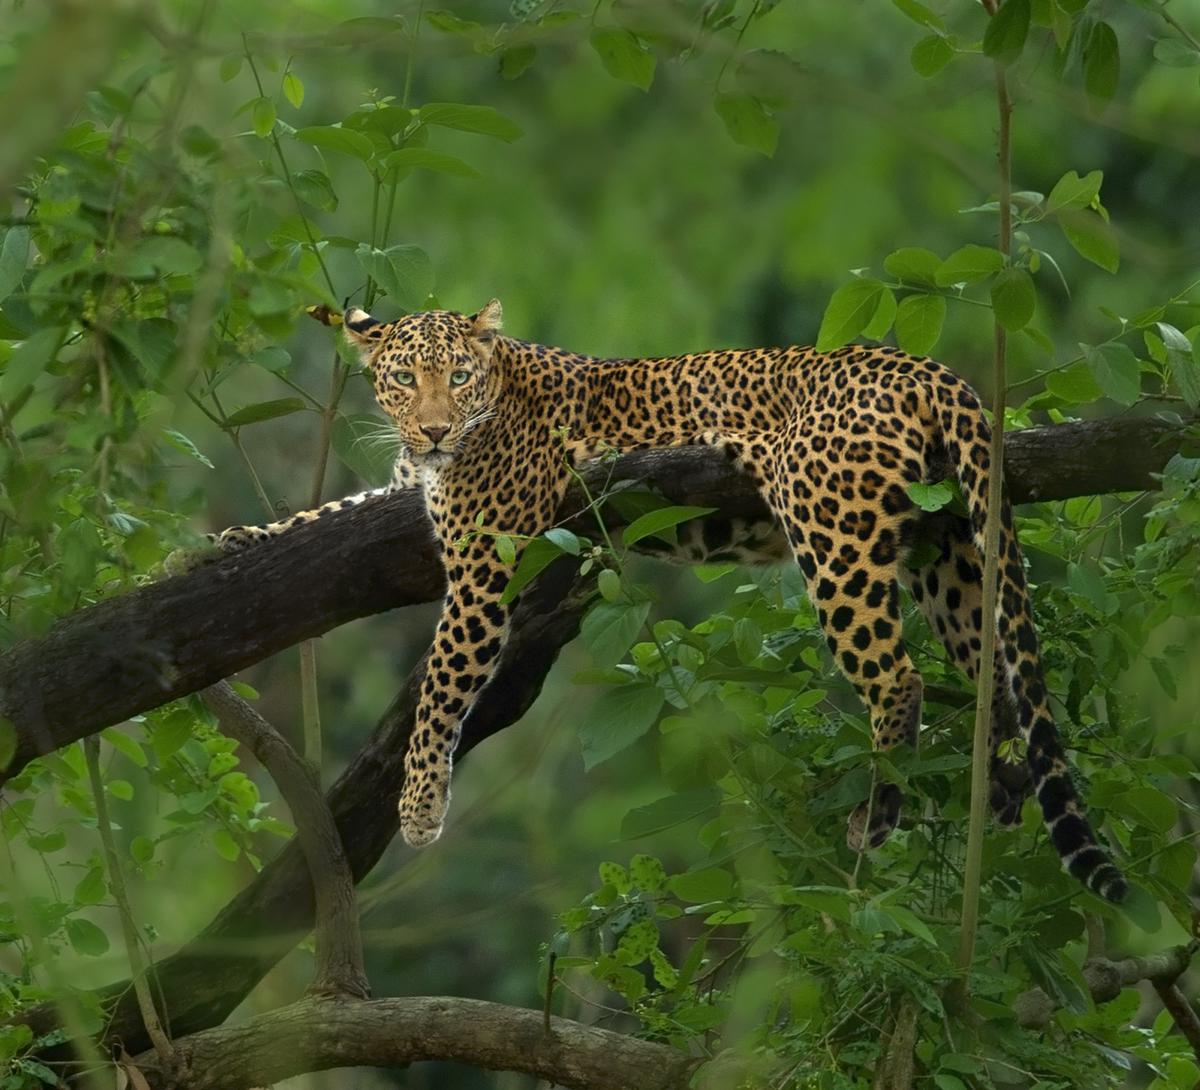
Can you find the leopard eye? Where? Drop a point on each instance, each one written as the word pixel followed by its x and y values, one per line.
pixel 405 378
pixel 459 378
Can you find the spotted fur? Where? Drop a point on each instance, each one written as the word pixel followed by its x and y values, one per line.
pixel 832 441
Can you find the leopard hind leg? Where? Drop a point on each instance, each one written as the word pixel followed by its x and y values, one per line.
pixel 948 588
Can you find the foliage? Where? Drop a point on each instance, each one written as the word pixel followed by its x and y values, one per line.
pixel 155 268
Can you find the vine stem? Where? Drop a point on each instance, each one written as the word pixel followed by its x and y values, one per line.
pixel 986 674
pixel 116 882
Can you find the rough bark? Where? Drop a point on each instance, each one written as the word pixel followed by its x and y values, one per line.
pixel 317 1034
pixel 124 656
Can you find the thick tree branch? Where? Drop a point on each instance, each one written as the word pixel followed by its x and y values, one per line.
pixel 340 968
pixel 317 1034
pixel 125 656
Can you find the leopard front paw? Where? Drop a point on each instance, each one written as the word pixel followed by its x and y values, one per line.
pixel 183 560
pixel 423 806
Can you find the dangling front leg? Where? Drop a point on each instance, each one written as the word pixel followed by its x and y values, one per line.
pixel 474 623
pixel 468 640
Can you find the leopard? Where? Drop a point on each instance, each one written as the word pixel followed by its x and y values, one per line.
pixel 491 428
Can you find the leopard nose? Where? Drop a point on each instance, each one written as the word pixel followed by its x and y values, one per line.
pixel 435 432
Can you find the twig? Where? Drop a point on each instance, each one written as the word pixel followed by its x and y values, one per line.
pixel 991 549
pixel 116 882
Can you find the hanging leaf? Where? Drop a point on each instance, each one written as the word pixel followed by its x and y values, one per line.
pixel 1013 298
pixel 748 122
pixel 623 56
pixel 293 89
pixel 919 322
pixel 1101 63
pixel 1006 31
pixel 850 308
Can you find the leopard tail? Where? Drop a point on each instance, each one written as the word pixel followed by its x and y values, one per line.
pixel 966 438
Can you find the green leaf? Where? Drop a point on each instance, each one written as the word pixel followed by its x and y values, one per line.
pixel 919 322
pixel 14 255
pixel 748 122
pixel 1101 63
pixel 930 55
pixel 28 361
pixel 701 886
pixel 142 849
pixel 969 264
pixel 1072 191
pixel 293 89
pixel 360 442
pixel 314 187
pixel 262 117
pixel 86 938
pixel 516 60
pixel 907 920
pixel 335 138
pixel 647 873
pixel 1075 384
pixel 920 14
pixel 623 56
pixel 565 540
pixel 877 328
pixel 1013 297
pixel 665 813
pixel 618 719
pixel 270 297
pixel 480 119
pixel 609 584
pixel 1006 31
pixel 653 523
pixel 1088 583
pixel 91 888
pixel 425 159
pixel 931 497
pixel 405 273
pixel 1183 359
pixel 120 789
pixel 1150 807
pixel 1116 371
pixel 1091 237
pixel 610 628
pixel 1176 53
pixel 850 308
pixel 538 555
pixel 126 745
pixel 913 265
pixel 226 847
pixel 230 67
pixel 264 410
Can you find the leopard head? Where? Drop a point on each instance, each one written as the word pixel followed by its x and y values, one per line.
pixel 433 374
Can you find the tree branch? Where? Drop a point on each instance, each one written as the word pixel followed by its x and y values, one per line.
pixel 1106 978
pixel 340 968
pixel 124 656
pixel 209 976
pixel 317 1034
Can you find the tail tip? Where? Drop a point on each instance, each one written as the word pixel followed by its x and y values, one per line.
pixel 1109 883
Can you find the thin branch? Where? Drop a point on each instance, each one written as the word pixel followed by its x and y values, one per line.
pixel 985 684
pixel 340 967
pixel 116 882
pixel 318 1034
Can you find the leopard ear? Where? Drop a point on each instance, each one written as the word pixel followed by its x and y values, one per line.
pixel 361 328
pixel 486 324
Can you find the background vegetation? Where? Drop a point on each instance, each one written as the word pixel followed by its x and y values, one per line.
pixel 629 178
